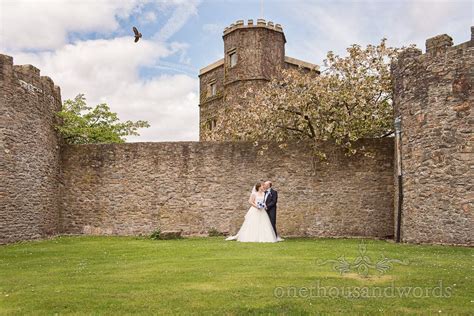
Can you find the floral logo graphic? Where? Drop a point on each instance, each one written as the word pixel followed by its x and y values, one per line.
pixel 362 264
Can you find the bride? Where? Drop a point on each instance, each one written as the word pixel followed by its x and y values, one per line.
pixel 257 226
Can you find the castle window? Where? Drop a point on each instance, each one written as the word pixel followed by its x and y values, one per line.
pixel 213 89
pixel 233 59
pixel 211 124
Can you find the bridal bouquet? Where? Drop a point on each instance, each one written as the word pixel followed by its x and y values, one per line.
pixel 261 205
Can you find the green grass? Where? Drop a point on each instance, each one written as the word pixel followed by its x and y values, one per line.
pixel 123 275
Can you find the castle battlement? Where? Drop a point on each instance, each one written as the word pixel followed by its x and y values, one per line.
pixel 27 77
pixel 261 23
pixel 440 45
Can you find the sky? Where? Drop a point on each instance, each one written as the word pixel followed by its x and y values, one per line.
pixel 86 46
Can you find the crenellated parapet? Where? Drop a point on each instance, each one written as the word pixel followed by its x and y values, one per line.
pixel 29 79
pixel 261 23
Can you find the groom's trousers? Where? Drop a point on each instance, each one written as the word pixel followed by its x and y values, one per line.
pixel 273 219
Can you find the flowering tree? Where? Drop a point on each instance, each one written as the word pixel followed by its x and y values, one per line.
pixel 350 99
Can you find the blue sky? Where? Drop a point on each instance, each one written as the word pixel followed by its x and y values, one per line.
pixel 86 46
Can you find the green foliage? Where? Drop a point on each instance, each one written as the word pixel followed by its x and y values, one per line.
pixel 82 124
pixel 156 234
pixel 213 232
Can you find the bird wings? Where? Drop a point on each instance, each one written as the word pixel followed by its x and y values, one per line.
pixel 138 35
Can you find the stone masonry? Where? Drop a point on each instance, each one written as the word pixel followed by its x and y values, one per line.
pixel 29 153
pixel 131 189
pixel 433 94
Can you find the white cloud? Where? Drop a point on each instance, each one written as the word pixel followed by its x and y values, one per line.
pixel 169 103
pixel 322 26
pixel 149 17
pixel 183 11
pixel 45 24
pixel 108 71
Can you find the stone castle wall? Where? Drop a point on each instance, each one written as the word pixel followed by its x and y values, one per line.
pixel 29 153
pixel 47 187
pixel 137 187
pixel 434 95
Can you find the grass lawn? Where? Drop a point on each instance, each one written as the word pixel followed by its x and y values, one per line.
pixel 122 275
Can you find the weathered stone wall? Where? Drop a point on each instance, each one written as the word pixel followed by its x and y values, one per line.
pixel 209 104
pixel 29 153
pixel 433 94
pixel 137 187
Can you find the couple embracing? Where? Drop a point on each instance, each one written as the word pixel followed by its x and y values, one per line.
pixel 260 221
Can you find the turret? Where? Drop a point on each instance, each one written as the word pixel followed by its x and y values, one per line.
pixel 253 51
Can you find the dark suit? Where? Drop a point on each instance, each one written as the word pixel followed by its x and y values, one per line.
pixel 271 207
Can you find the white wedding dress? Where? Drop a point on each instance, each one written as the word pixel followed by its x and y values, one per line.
pixel 257 226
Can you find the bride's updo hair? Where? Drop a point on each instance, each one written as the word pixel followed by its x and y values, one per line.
pixel 257 186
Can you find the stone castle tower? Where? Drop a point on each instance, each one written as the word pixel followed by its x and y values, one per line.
pixel 253 54
pixel 29 153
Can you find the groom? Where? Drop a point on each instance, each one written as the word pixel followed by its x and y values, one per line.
pixel 271 199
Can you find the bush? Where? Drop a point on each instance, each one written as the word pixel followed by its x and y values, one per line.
pixel 156 234
pixel 213 232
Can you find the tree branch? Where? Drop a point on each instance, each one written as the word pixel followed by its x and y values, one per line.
pixel 310 126
pixel 378 97
pixel 294 129
pixel 292 111
pixel 385 135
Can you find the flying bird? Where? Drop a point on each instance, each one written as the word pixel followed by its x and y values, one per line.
pixel 138 35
